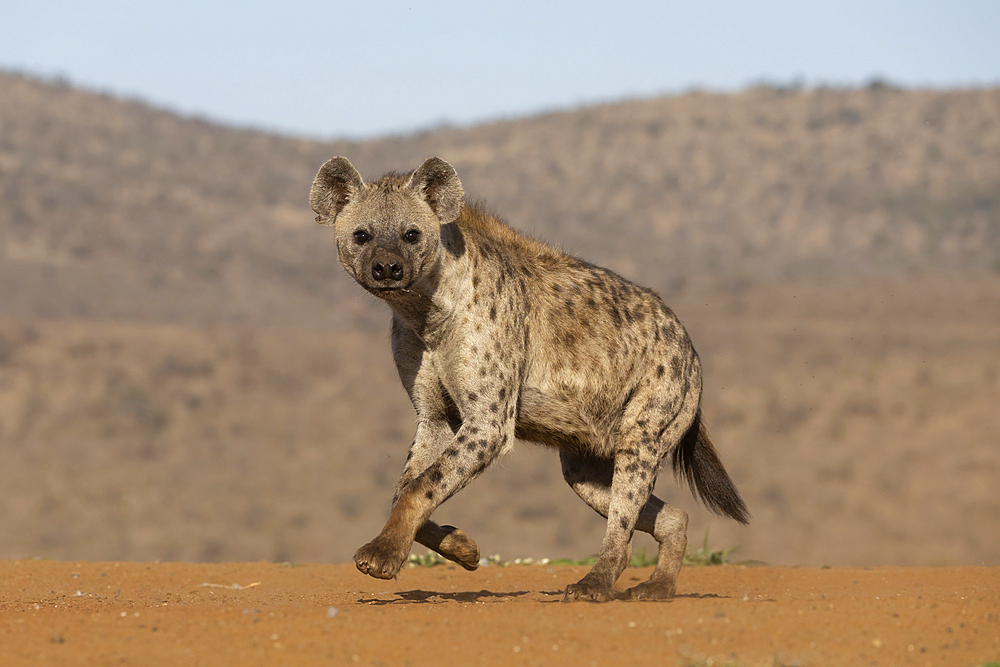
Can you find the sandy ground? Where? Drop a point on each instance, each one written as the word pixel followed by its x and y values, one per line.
pixel 54 612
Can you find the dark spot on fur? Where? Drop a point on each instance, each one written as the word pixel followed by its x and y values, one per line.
pixel 568 338
pixel 676 366
pixel 462 439
pixel 429 495
pixel 437 476
pixel 493 313
pixel 660 370
pixel 624 523
pixel 473 396
pixel 451 452
pixel 494 408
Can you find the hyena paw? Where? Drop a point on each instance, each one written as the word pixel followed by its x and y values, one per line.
pixel 652 590
pixel 380 559
pixel 589 589
pixel 459 547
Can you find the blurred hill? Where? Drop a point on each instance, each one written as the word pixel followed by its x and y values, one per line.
pixel 187 373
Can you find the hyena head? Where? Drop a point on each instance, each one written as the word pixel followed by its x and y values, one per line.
pixel 388 231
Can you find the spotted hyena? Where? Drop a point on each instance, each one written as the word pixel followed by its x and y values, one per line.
pixel 497 336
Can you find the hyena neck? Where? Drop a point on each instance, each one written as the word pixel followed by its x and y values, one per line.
pixel 429 306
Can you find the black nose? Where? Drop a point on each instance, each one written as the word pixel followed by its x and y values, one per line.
pixel 387 269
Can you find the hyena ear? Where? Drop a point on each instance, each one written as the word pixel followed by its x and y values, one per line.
pixel 336 184
pixel 436 181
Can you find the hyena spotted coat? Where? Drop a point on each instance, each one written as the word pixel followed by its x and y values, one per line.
pixel 497 336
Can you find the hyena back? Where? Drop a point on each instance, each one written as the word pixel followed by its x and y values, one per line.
pixel 497 336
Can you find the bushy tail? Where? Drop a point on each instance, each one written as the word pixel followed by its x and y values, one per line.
pixel 696 460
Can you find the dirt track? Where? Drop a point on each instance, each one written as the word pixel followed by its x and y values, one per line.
pixel 176 613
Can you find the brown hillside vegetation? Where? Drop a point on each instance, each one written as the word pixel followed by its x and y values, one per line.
pixel 186 372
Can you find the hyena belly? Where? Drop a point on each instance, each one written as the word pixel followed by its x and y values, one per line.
pixel 595 341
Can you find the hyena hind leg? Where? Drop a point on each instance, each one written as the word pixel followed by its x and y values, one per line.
pixel 591 478
pixel 668 526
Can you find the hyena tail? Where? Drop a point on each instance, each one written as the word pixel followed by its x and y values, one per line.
pixel 696 460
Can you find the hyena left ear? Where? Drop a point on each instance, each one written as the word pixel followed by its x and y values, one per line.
pixel 436 181
pixel 336 184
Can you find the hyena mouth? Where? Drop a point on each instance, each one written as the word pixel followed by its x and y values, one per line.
pixel 386 292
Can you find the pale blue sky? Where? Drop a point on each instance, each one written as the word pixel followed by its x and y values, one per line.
pixel 358 69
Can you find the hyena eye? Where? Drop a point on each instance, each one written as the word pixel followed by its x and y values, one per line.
pixel 412 236
pixel 362 237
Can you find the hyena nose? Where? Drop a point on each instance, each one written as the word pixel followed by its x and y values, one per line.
pixel 387 270
pixel 387 267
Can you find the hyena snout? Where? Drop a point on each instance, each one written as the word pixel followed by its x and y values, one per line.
pixel 388 269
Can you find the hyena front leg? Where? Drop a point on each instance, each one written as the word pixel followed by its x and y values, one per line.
pixel 464 457
pixel 591 479
pixel 437 427
pixel 449 541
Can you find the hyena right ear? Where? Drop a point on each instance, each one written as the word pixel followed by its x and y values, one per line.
pixel 336 184
pixel 438 184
